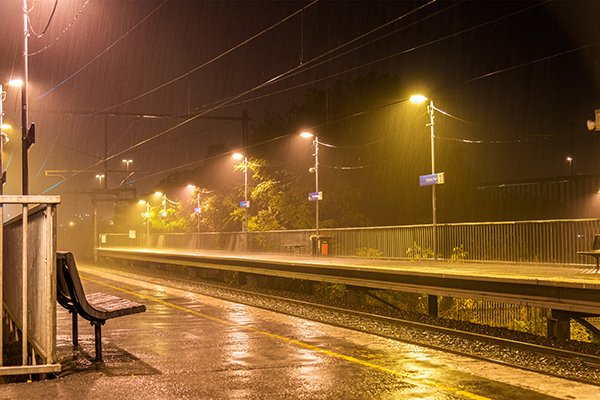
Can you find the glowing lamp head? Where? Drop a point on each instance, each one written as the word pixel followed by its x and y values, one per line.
pixel 306 134
pixel 417 98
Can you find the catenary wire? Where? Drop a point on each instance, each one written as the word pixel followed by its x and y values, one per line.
pixel 224 103
pixel 61 34
pixel 47 25
pixel 103 52
pixel 202 65
pixel 230 100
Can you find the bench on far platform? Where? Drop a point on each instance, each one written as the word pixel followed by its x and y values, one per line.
pixel 595 252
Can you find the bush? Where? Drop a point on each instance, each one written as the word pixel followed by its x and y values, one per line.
pixel 332 291
pixel 459 253
pixel 368 253
pixel 417 252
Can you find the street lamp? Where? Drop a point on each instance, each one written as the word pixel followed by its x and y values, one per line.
pixel 245 204
pixel 163 214
pixel 317 196
pixel 100 179
pixel 570 160
pixel 430 110
pixel 198 209
pixel 127 162
pixel 147 217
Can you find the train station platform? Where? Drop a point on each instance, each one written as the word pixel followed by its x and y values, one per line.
pixel 189 346
pixel 552 272
pixel 569 288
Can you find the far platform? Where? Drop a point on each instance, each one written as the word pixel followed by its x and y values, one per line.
pixel 574 288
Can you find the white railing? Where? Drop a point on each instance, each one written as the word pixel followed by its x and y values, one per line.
pixel 28 285
pixel 551 241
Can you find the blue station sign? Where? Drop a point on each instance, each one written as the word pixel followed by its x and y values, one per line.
pixel 315 196
pixel 245 204
pixel 435 179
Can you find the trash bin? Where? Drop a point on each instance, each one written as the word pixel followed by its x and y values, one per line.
pixel 320 245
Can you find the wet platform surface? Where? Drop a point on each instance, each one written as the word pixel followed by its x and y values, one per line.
pixel 576 273
pixel 189 346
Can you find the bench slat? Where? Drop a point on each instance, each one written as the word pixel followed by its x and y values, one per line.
pixel 113 304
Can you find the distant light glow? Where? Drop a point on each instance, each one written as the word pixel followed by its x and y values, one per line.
pixel 15 82
pixel 158 193
pixel 238 156
pixel 418 98
pixel 306 134
pixel 6 126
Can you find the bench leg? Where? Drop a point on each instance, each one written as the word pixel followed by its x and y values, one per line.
pixel 75 328
pixel 98 335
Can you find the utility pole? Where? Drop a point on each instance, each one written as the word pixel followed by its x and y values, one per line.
pixel 105 151
pixel 24 123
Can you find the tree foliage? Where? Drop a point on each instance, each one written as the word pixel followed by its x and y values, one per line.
pixel 373 148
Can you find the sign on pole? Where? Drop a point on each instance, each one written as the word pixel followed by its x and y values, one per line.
pixel 315 196
pixel 435 179
pixel 245 204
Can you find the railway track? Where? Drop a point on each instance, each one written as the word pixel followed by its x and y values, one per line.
pixel 551 361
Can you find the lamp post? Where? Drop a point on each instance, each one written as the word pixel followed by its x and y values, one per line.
pixel 3 139
pixel 430 110
pixel 100 179
pixel 164 211
pixel 245 204
pixel 147 214
pixel 127 162
pixel 163 214
pixel 315 169
pixel 26 139
pixel 198 209
pixel 3 135
pixel 147 217
pixel 570 160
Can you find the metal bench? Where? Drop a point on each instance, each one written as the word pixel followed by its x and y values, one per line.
pixel 95 307
pixel 595 252
pixel 294 248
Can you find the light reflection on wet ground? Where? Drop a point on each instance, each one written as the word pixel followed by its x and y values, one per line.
pixel 191 346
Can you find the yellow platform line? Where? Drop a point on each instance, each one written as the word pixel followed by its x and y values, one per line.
pixel 417 381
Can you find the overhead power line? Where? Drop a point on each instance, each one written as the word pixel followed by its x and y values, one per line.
pixel 61 34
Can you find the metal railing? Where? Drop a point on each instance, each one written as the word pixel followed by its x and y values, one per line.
pixel 28 285
pixel 552 241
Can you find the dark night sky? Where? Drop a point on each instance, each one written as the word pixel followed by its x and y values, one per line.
pixel 522 77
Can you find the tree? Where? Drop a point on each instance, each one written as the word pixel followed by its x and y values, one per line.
pixel 273 198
